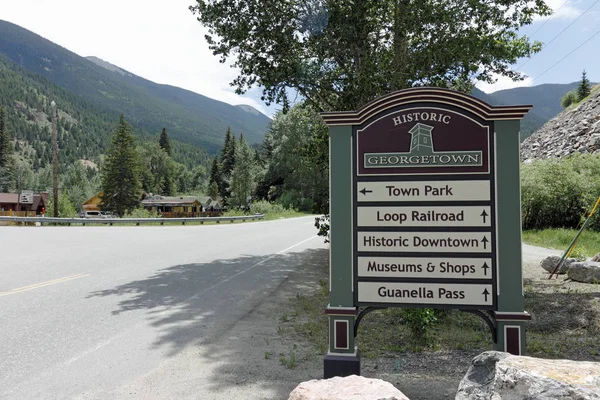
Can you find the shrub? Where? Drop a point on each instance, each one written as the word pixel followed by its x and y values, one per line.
pixel 264 207
pixel 556 193
pixel 141 213
pixel 568 99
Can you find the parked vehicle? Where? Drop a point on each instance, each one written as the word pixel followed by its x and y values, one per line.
pixel 93 214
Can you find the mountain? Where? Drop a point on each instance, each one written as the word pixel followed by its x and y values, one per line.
pixel 84 128
pixel 544 98
pixel 189 117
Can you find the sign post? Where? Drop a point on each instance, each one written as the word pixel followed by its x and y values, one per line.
pixel 425 212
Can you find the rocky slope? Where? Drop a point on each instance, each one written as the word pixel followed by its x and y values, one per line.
pixel 576 129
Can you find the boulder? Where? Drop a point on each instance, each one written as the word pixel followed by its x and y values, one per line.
pixel 549 263
pixel 585 271
pixel 351 387
pixel 501 376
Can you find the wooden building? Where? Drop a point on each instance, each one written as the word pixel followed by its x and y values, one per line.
pixel 12 202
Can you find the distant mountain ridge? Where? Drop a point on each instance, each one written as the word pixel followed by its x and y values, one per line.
pixel 188 116
pixel 545 99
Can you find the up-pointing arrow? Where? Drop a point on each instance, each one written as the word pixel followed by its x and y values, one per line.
pixel 365 191
pixel 485 241
pixel 485 268
pixel 484 216
pixel 485 294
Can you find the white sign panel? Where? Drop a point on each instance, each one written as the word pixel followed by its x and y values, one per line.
pixel 424 191
pixel 425 267
pixel 439 216
pixel 425 293
pixel 429 242
pixel 26 197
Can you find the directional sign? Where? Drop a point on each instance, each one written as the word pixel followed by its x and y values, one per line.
pixel 398 191
pixel 429 242
pixel 424 216
pixel 424 267
pixel 425 293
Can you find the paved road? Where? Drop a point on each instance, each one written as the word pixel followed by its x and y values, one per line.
pixel 84 310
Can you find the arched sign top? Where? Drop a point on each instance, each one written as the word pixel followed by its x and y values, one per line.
pixel 426 95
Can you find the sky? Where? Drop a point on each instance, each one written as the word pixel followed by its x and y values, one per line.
pixel 162 41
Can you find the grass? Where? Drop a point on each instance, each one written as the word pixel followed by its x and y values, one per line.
pixel 587 245
pixel 269 216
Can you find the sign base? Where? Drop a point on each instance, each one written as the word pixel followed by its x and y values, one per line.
pixel 341 365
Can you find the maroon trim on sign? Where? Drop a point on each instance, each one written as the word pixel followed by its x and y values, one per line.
pixel 513 317
pixel 429 95
pixel 341 334
pixel 513 339
pixel 333 311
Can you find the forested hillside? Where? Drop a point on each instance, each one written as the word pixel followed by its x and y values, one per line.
pixel 83 128
pixel 189 117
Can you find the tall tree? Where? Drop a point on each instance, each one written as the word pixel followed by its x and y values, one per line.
pixel 120 177
pixel 228 155
pixel 215 174
pixel 164 142
pixel 585 88
pixel 213 190
pixel 6 155
pixel 340 54
pixel 242 182
pixel 158 170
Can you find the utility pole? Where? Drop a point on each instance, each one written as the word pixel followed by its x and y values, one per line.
pixel 54 159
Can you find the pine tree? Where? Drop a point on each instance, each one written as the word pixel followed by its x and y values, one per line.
pixel 228 155
pixel 215 173
pixel 584 89
pixel 213 191
pixel 243 174
pixel 120 177
pixel 5 155
pixel 164 142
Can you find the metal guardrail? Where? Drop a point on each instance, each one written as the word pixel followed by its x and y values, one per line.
pixel 137 221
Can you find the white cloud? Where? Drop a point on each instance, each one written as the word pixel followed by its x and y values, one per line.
pixel 159 40
pixel 502 83
pixel 562 9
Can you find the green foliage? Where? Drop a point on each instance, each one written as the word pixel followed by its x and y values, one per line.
pixel 80 184
pixel 584 89
pixel 213 190
pixel 66 208
pixel 568 99
pixel 6 154
pixel 264 207
pixel 242 182
pixel 420 321
pixel 158 170
pixel 164 142
pixel 295 157
pixel 556 193
pixel 339 55
pixel 120 177
pixel 140 213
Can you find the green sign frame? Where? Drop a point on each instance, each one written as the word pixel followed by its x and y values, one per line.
pixel 425 212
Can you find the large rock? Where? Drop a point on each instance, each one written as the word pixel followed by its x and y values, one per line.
pixel 351 387
pixel 586 271
pixel 501 376
pixel 549 263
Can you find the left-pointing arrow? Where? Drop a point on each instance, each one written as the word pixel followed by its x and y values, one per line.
pixel 365 191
